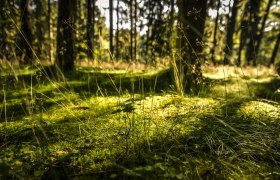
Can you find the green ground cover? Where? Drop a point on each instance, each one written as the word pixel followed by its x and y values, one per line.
pixel 97 124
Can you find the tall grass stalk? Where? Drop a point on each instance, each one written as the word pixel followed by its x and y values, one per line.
pixel 177 73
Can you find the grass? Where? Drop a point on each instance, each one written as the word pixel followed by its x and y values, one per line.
pixel 101 124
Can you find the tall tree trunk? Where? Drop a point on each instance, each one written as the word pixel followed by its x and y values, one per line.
pixel 159 30
pixel 135 29
pixel 65 44
pixel 131 30
pixel 79 26
pixel 253 31
pixel 243 34
pixel 171 23
pixel 111 29
pixel 93 25
pixel 50 34
pixel 230 32
pixel 117 31
pixel 3 37
pixel 260 36
pixel 90 30
pixel 39 27
pixel 148 31
pixel 192 24
pixel 26 42
pixel 153 39
pixel 213 50
pixel 275 50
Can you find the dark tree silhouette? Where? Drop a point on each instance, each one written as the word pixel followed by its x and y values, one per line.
pixel 111 28
pixel 171 23
pixel 90 29
pixel 3 19
pixel 260 36
pixel 254 19
pixel 49 19
pixel 135 29
pixel 117 51
pixel 244 33
pixel 192 14
pixel 149 7
pixel 65 49
pixel 26 40
pixel 230 32
pixel 213 50
pixel 275 50
pixel 39 27
pixel 131 29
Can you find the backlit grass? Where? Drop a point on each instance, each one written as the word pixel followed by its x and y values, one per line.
pixel 123 125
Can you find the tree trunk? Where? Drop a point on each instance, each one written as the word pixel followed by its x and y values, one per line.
pixel 213 50
pixel 111 29
pixel 275 50
pixel 93 25
pixel 192 15
pixel 230 32
pixel 243 35
pixel 171 23
pixel 3 37
pixel 117 31
pixel 39 27
pixel 148 31
pixel 26 42
pixel 260 36
pixel 90 30
pixel 253 32
pixel 50 35
pixel 135 29
pixel 131 30
pixel 65 44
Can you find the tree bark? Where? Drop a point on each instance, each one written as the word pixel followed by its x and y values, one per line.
pixel 213 50
pixel 148 31
pixel 26 42
pixel 275 50
pixel 135 29
pixel 111 29
pixel 3 37
pixel 254 19
pixel 90 30
pixel 117 31
pixel 243 35
pixel 230 32
pixel 50 34
pixel 131 30
pixel 171 23
pixel 192 15
pixel 65 44
pixel 39 27
pixel 93 25
pixel 260 36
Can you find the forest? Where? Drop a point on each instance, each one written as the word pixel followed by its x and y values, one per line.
pixel 139 89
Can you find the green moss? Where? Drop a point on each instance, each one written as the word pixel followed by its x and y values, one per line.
pixel 96 124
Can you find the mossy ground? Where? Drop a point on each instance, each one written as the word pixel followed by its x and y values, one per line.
pixel 97 124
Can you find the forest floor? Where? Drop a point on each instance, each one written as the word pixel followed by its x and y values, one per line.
pixel 101 124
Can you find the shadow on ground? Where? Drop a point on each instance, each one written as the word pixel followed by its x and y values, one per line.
pixel 17 93
pixel 268 90
pixel 222 146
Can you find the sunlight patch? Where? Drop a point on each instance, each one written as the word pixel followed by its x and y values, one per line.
pixel 260 111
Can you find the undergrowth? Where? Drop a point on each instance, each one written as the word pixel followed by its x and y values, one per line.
pixel 113 124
